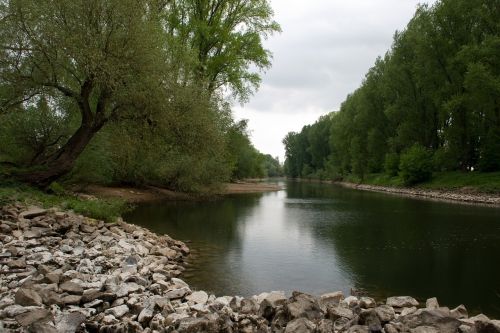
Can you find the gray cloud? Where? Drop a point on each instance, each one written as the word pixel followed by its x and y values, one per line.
pixel 323 53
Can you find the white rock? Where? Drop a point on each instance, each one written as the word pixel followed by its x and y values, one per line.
pixel 118 311
pixel 401 301
pixel 198 297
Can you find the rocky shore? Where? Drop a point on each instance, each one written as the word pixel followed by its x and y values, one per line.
pixel 462 196
pixel 61 272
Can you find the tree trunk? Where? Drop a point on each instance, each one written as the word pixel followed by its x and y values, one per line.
pixel 63 161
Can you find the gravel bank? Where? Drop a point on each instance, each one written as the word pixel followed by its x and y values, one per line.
pixel 61 272
pixel 477 198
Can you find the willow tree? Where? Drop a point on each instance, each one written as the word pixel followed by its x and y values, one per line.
pixel 102 59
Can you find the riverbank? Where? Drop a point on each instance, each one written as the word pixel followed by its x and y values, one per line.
pixel 151 193
pixel 63 272
pixel 457 195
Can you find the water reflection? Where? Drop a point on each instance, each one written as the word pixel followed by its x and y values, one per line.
pixel 319 238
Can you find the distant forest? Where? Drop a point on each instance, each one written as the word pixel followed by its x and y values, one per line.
pixel 432 103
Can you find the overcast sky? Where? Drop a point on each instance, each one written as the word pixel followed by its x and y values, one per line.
pixel 323 53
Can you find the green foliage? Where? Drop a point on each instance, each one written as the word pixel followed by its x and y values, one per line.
pixel 391 164
pixel 56 188
pixel 490 152
pixel 246 160
pixel 127 91
pixel 225 39
pixel 416 165
pixel 272 166
pixel 438 87
pixel 486 182
pixel 107 210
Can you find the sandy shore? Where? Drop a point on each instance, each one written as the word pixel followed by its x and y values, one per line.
pixel 151 193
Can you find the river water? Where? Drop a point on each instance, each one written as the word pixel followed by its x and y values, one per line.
pixel 320 238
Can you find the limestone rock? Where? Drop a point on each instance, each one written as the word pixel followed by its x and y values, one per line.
pixel 432 303
pixel 370 318
pixel 385 313
pixel 303 305
pixel 177 293
pixel 367 302
pixel 336 312
pixel 330 299
pixel 269 304
pixel 198 297
pixel 118 311
pixel 358 329
pixel 27 297
pixel 300 325
pixel 71 287
pixel 33 212
pixel 460 312
pixel 17 264
pixel 33 316
pixel 401 301
pixel 69 322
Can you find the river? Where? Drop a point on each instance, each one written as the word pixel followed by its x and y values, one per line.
pixel 320 238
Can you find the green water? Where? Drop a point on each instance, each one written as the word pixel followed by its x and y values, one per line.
pixel 319 238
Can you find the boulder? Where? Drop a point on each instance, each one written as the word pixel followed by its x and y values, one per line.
pixel 325 326
pixel 164 252
pixel 43 328
pixel 460 312
pixel 491 326
pixel 407 311
pixel 385 313
pixel 198 297
pixel 437 318
pixel 432 303
pixel 367 303
pixel 336 312
pixel 71 288
pixel 118 311
pixel 17 264
pixel 27 297
pixel 69 322
pixel 29 234
pixel 71 299
pixel 300 325
pixel 330 299
pixel 303 305
pixel 128 288
pixel 269 304
pixel 33 212
pixel 33 316
pixel 350 302
pixel 178 293
pixel 370 318
pixel 358 329
pixel 401 301
pixel 424 329
pixel 206 324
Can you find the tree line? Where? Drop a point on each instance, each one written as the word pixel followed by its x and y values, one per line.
pixel 432 103
pixel 131 91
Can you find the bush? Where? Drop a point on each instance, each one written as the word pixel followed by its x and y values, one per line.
pixel 391 164
pixel 416 165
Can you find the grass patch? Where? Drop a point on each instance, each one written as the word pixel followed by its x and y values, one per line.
pixel 379 179
pixel 481 182
pixel 485 182
pixel 107 210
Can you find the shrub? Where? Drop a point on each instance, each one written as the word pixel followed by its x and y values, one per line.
pixel 415 165
pixel 391 164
